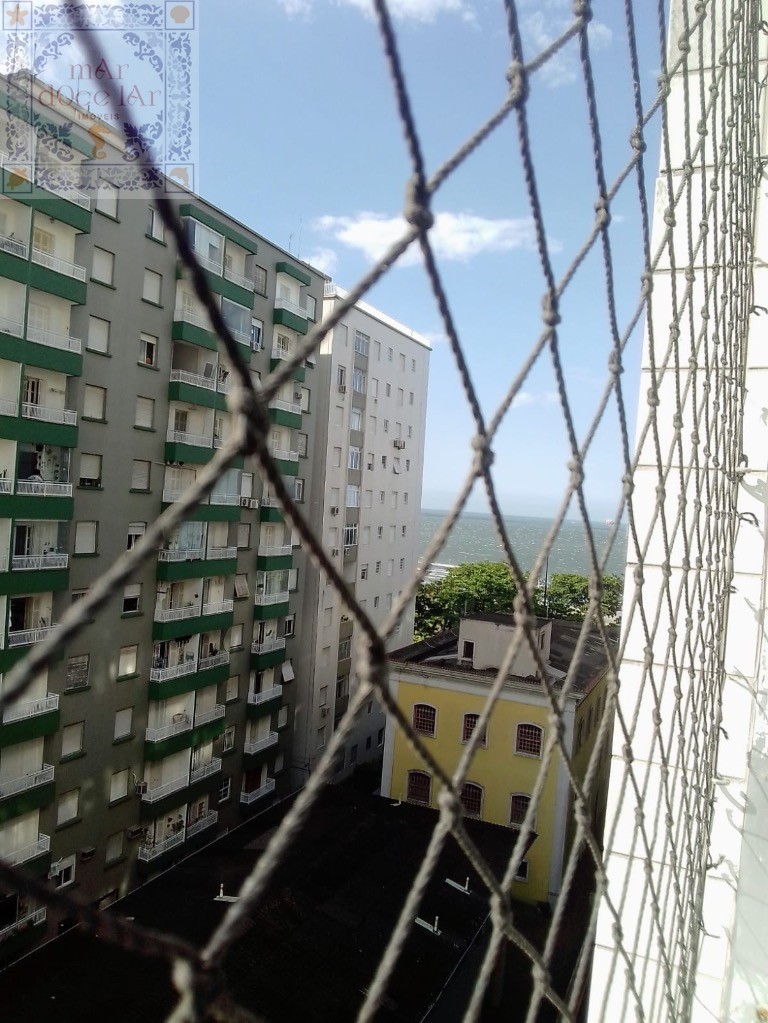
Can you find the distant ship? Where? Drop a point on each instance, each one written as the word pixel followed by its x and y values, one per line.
pixel 610 522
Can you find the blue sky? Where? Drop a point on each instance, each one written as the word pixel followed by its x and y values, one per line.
pixel 299 138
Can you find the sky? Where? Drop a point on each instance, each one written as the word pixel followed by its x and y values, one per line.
pixel 299 138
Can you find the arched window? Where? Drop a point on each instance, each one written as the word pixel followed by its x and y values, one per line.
pixel 419 787
pixel 528 740
pixel 468 727
pixel 472 799
pixel 424 718
pixel 518 808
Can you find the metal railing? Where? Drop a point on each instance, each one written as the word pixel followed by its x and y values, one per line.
pixel 214 661
pixel 147 853
pixel 221 553
pixel 252 795
pixel 202 823
pixel 54 339
pixel 239 279
pixel 217 607
pixel 266 646
pixel 9 406
pixel 25 637
pixel 291 307
pixel 47 414
pixel 42 488
pixel 31 709
pixel 203 717
pixel 28 852
pixel 196 440
pixel 199 773
pixel 259 745
pixel 184 376
pixel 15 246
pixel 161 732
pixel 166 789
pixel 177 614
pixel 286 406
pixel 263 599
pixel 274 550
pixel 264 697
pixel 197 319
pixel 183 554
pixel 30 562
pixel 30 920
pixel 33 780
pixel 59 265
pixel 186 667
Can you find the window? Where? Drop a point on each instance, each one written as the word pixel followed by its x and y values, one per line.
pixel 320 737
pixel 388 390
pixel 342 686
pixel 410 397
pixel 399 397
pixel 378 567
pixel 354 458
pixel 228 739
pixel 90 470
pixel 301 445
pixel 77 671
pixel 350 534
pixel 72 739
pixel 469 724
pixel 118 786
pixel 353 496
pixel 155 226
pixel 467 650
pixel 405 498
pixel 323 700
pixel 361 343
pixel 68 806
pixel 369 499
pixel 402 363
pixel 419 785
pixel 407 465
pixel 424 718
pixel 403 531
pixel 85 537
pixel 114 848
pixel 145 413
pixel 103 266
pixel 386 430
pixel 402 564
pixel 390 354
pixel 305 392
pixel 140 474
pixel 293 579
pixel 94 402
pixel 337 458
pixel 377 350
pixel 243 535
pixel 128 662
pixel 413 365
pixel 225 790
pixel 380 737
pixel 382 498
pixel 298 488
pixel 472 799
pixel 528 740
pixel 241 585
pixel 341 377
pixel 260 279
pixel 364 571
pixel 522 871
pixel 518 808
pixel 98 334
pixel 257 334
pixel 235 637
pixel 106 198
pixel 123 723
pixel 374 387
pixel 356 419
pixel 132 599
pixel 65 872
pixel 384 457
pixel 358 380
pixel 345 649
pixel 390 566
pixel 353 754
pixel 147 350
pixel 135 531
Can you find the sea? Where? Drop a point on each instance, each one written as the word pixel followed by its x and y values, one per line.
pixel 474 538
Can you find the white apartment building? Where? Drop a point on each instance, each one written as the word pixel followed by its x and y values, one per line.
pixel 373 373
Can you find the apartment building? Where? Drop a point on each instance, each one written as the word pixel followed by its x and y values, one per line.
pixel 372 377
pixel 170 715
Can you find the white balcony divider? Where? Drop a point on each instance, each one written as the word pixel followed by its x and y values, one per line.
pixel 202 823
pixel 187 554
pixel 28 636
pixel 195 440
pixel 222 657
pixel 261 744
pixel 14 245
pixel 61 266
pixel 218 607
pixel 31 709
pixel 213 767
pixel 264 697
pixel 26 782
pixel 291 307
pixel 9 406
pixel 34 488
pixel 175 671
pixel 151 852
pixel 46 414
pixel 269 551
pixel 183 376
pixel 161 791
pixel 221 553
pixel 271 598
pixel 177 614
pixel 266 646
pixel 210 715
pixel 190 316
pixel 259 793
pixel 286 406
pixel 29 852
pixel 29 562
pixel 31 920
pixel 53 339
pixel 184 724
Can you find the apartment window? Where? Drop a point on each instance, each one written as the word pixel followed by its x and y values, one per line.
pixel 241 585
pixel 301 445
pixel 106 198
pixel 225 790
pixel 345 649
pixel 305 393
pixel 380 737
pixel 353 754
pixel 228 739
pixel 374 387
pixel 522 871
pixel 114 847
pixel 289 625
pixel 128 661
pixel 155 226
pixel 469 724
pixel 419 785
pixel 403 530
pixel 140 474
pixel 72 739
pixel 354 458
pixel 44 241
pixel 413 365
pixel 235 637
pixel 388 390
pixel 382 499
pixel 353 496
pixel 298 488
pixel 528 740
pixel 393 497
pixel 243 535
pixel 342 686
pixel 123 723
pixel 323 700
pixel 410 397
pixel 90 470
pixel 424 718
pixel 373 421
pixel 518 808
pixel 148 350
pixel 467 650
pixel 400 395
pixel 378 567
pixel 390 354
pixel 402 362
pixel 68 806
pixel 98 335
pixel 472 799
pixel 364 571
pixel 402 564
pixel 103 266
pixel 257 334
pixel 361 343
pixel 369 499
pixel 118 785
pixel 260 279
pixel 407 465
pixel 356 419
pixel 337 458
pixel 405 498
pixel 320 740
pixel 386 430
pixel 341 376
pixel 77 671
pixel 384 460
pixel 135 531
pixel 377 350
pixel 350 534
pixel 132 599
pixel 145 413
pixel 94 402
pixel 358 380
pixel 85 537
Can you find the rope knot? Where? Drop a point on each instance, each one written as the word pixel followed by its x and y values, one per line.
pixel 636 139
pixel 550 312
pixel 483 453
pixel 602 211
pixel 518 83
pixel 417 211
pixel 577 473
pixel 582 9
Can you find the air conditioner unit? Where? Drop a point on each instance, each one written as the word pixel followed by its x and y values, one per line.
pixel 87 854
pixel 245 502
pixel 55 869
pixel 255 346
pixel 399 444
pixel 297 395
pixel 335 552
pixel 342 388
pixel 335 510
pixel 141 788
pixel 135 831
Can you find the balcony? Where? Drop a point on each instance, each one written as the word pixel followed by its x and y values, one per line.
pixel 194 440
pixel 175 727
pixel 197 319
pixel 166 789
pixel 34 488
pixel 285 406
pixel 151 852
pixel 24 711
pixel 264 697
pixel 219 607
pixel 46 414
pixel 224 499
pixel 214 714
pixel 259 745
pixel 185 554
pixel 29 852
pixel 70 194
pixel 9 406
pixel 28 636
pixel 280 353
pixel 202 823
pixel 221 553
pixel 213 265
pixel 283 455
pixel 259 793
pixel 177 614
pixel 291 307
pixel 161 673
pixel 183 376
pixel 15 246
pixel 28 781
pixel 53 339
pixel 31 920
pixel 240 336
pixel 35 562
pixel 206 663
pixel 239 279
pixel 263 599
pixel 266 646
pixel 269 551
pixel 211 768
pixel 61 266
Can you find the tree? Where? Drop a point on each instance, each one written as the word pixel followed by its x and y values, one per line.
pixel 568 597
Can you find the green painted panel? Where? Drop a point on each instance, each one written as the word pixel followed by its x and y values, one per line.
pixel 42 581
pixel 289 319
pixel 70 363
pixel 26 802
pixel 293 271
pixel 11 656
pixel 44 279
pixel 281 417
pixel 14 268
pixel 185 740
pixel 274 564
pixel 30 728
pixel 223 286
pixel 208 513
pixel 263 612
pixel 200 568
pixel 12 348
pixel 190 210
pixel 37 432
pixel 183 331
pixel 189 683
pixel 21 506
pixel 271 514
pixel 49 203
pixel 22 942
pixel 188 453
pixel 287 468
pixel 261 661
pixel 191 626
pixel 178 391
pixel 262 710
pixel 298 374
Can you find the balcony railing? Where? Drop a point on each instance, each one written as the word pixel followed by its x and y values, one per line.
pixel 61 266
pixel 183 376
pixel 271 551
pixel 186 554
pixel 41 488
pixel 260 744
pixel 46 414
pixel 218 607
pixel 224 384
pixel 214 714
pixel 286 406
pixel 9 406
pixel 71 194
pixel 32 709
pixel 239 279
pixel 31 562
pixel 212 767
pixel 202 823
pixel 28 636
pixel 196 440
pixel 184 724
pixel 280 353
pixel 163 674
pixel 177 614
pixel 31 920
pixel 259 793
pixel 53 339
pixel 198 319
pixel 151 852
pixel 222 657
pixel 29 852
pixel 10 326
pixel 226 499
pixel 291 307
pixel 241 336
pixel 27 782
pixel 264 697
pixel 221 553
pixel 266 646
pixel 285 456
pixel 270 502
pixel 14 245
pixel 261 599
pixel 161 791
pixel 214 265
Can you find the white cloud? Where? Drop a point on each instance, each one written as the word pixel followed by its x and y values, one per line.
pixel 423 11
pixel 454 236
pixel 522 398
pixel 325 260
pixel 540 30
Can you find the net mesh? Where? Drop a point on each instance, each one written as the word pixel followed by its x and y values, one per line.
pixel 678 496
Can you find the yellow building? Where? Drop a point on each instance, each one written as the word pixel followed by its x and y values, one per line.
pixel 441 685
